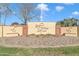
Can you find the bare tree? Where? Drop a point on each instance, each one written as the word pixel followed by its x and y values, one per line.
pixel 26 9
pixel 4 10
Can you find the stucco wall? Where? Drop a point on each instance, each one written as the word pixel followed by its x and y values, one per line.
pixel 9 31
pixel 69 31
pixel 78 30
pixel 0 31
pixel 41 28
pixel 38 28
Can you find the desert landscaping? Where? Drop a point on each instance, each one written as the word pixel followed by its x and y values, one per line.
pixel 39 45
pixel 41 41
pixel 32 29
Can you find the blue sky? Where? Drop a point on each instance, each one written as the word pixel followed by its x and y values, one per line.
pixel 52 12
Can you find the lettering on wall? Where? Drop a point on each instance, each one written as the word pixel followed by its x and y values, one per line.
pixel 69 30
pixel 13 30
pixel 41 27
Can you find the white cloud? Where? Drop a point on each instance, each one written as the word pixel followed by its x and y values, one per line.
pixel 59 8
pixel 43 7
pixel 75 13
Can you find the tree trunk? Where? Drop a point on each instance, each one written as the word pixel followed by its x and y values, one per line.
pixel 25 23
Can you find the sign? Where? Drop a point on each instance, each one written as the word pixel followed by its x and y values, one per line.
pixel 69 31
pixel 41 28
pixel 10 31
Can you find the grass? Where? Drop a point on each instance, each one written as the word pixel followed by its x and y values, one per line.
pixel 68 51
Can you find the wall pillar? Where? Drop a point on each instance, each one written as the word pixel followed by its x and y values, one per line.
pixel 58 31
pixel 25 30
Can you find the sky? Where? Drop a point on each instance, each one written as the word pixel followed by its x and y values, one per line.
pixel 51 12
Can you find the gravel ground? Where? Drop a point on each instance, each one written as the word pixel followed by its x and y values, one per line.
pixel 39 41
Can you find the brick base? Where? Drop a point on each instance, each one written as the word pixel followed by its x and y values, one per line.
pixel 25 30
